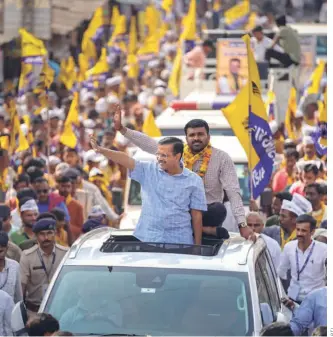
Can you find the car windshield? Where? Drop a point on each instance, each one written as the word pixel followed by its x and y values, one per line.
pixel 151 301
pixel 134 198
pixel 176 132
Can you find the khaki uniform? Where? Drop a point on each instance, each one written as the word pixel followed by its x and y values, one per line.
pixel 34 275
pixel 13 252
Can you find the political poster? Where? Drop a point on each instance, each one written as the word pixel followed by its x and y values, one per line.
pixel 231 67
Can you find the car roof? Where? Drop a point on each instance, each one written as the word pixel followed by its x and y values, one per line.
pixel 171 119
pixel 233 255
pixel 228 144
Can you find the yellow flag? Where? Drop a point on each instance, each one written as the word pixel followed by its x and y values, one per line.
pixel 270 105
pixel 92 34
pixel 252 22
pixel 119 30
pixel 189 23
pixel 316 77
pixel 248 118
pixel 290 113
pixel 16 134
pixel 100 70
pixel 175 76
pixel 83 68
pixel 167 5
pixel 31 47
pixel 68 137
pixel 26 74
pixel 68 74
pixel 151 44
pixel 132 60
pixel 46 78
pixel 149 126
pixel 237 16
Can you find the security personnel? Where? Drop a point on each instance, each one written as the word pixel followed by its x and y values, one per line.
pixel 39 263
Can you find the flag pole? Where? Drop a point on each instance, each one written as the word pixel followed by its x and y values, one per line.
pixel 249 128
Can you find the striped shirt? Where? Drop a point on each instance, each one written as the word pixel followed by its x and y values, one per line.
pixel 220 176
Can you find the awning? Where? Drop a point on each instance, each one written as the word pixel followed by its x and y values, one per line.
pixel 68 14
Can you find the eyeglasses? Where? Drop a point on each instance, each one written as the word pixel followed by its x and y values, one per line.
pixel 42 191
pixel 161 155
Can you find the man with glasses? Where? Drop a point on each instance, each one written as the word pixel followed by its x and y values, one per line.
pixel 173 197
pixel 48 200
pixel 256 222
pixel 39 263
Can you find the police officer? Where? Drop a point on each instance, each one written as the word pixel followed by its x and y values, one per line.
pixel 39 263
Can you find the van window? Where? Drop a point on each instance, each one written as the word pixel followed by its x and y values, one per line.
pixel 134 198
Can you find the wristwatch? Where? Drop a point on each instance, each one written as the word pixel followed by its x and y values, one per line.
pixel 242 225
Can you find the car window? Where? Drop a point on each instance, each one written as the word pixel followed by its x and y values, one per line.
pixel 261 286
pixel 272 276
pixel 270 283
pixel 154 301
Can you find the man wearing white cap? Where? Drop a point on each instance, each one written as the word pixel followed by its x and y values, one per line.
pixel 306 260
pixel 157 103
pixel 113 85
pixel 303 203
pixel 286 232
pixel 101 106
pixel 92 160
pixel 29 213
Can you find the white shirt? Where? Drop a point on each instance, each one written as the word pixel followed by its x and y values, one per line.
pixel 313 275
pixel 260 47
pixel 6 308
pixel 230 222
pixel 10 280
pixel 274 249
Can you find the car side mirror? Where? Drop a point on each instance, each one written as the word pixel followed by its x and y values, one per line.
pixel 19 319
pixel 266 313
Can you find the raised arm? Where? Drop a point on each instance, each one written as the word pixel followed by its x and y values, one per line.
pixel 117 157
pixel 138 138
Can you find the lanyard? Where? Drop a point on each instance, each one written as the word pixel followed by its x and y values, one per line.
pixel 305 263
pixel 47 273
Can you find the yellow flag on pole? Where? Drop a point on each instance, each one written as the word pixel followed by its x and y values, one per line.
pixel 149 126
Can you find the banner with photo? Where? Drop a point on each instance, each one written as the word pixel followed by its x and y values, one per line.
pixel 231 67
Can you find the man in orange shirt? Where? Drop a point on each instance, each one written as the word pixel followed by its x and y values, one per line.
pixel 75 209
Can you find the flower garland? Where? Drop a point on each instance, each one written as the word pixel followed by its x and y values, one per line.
pixel 190 159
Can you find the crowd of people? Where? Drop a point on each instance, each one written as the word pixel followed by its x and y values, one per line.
pixel 52 193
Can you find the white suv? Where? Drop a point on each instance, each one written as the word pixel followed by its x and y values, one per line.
pixel 109 283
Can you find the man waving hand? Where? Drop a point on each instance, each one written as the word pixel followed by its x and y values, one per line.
pixel 173 197
pixel 213 166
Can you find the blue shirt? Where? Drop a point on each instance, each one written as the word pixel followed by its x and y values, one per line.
pixel 43 208
pixel 166 203
pixel 311 313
